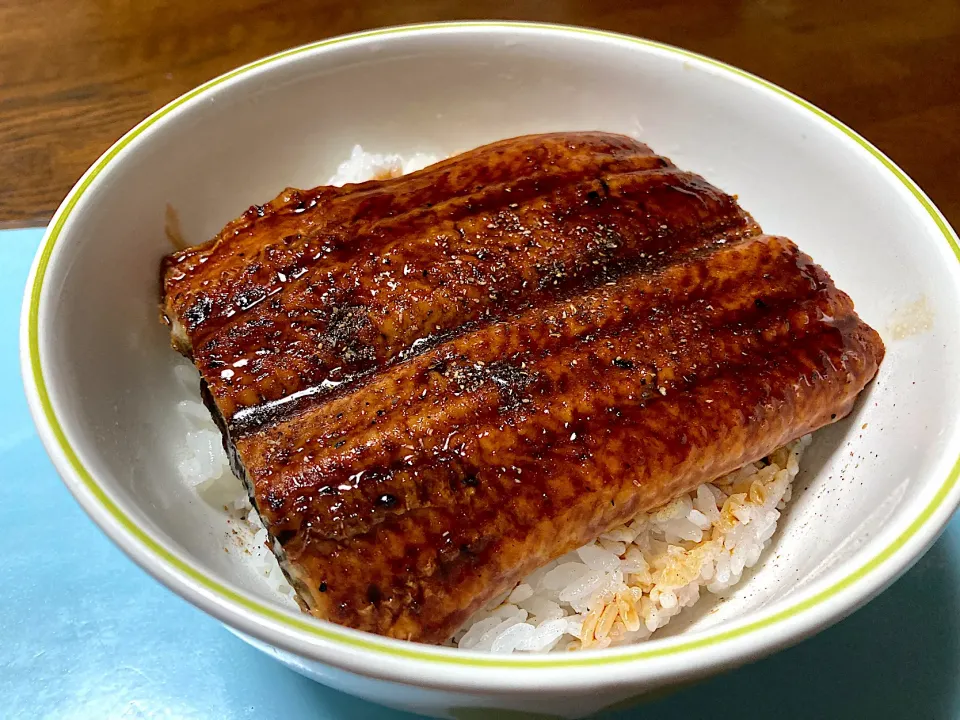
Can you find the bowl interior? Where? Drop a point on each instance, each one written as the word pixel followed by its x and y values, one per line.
pixel 107 360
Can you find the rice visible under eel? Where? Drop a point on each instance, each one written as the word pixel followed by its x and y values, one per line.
pixel 635 578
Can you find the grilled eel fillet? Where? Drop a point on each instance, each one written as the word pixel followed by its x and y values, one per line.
pixel 434 384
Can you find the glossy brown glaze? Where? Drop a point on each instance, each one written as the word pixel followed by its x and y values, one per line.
pixel 319 287
pixel 569 331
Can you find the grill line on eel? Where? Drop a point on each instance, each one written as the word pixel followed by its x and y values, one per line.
pixel 434 384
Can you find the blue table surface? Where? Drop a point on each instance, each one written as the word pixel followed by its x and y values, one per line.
pixel 84 633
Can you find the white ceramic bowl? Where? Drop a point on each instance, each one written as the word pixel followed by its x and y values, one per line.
pixel 879 486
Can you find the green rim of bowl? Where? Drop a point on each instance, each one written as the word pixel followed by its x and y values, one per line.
pixel 331 632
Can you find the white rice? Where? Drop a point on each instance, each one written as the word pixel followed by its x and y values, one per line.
pixel 362 166
pixel 619 589
pixel 203 465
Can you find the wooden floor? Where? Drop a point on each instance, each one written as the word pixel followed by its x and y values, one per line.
pixel 76 74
